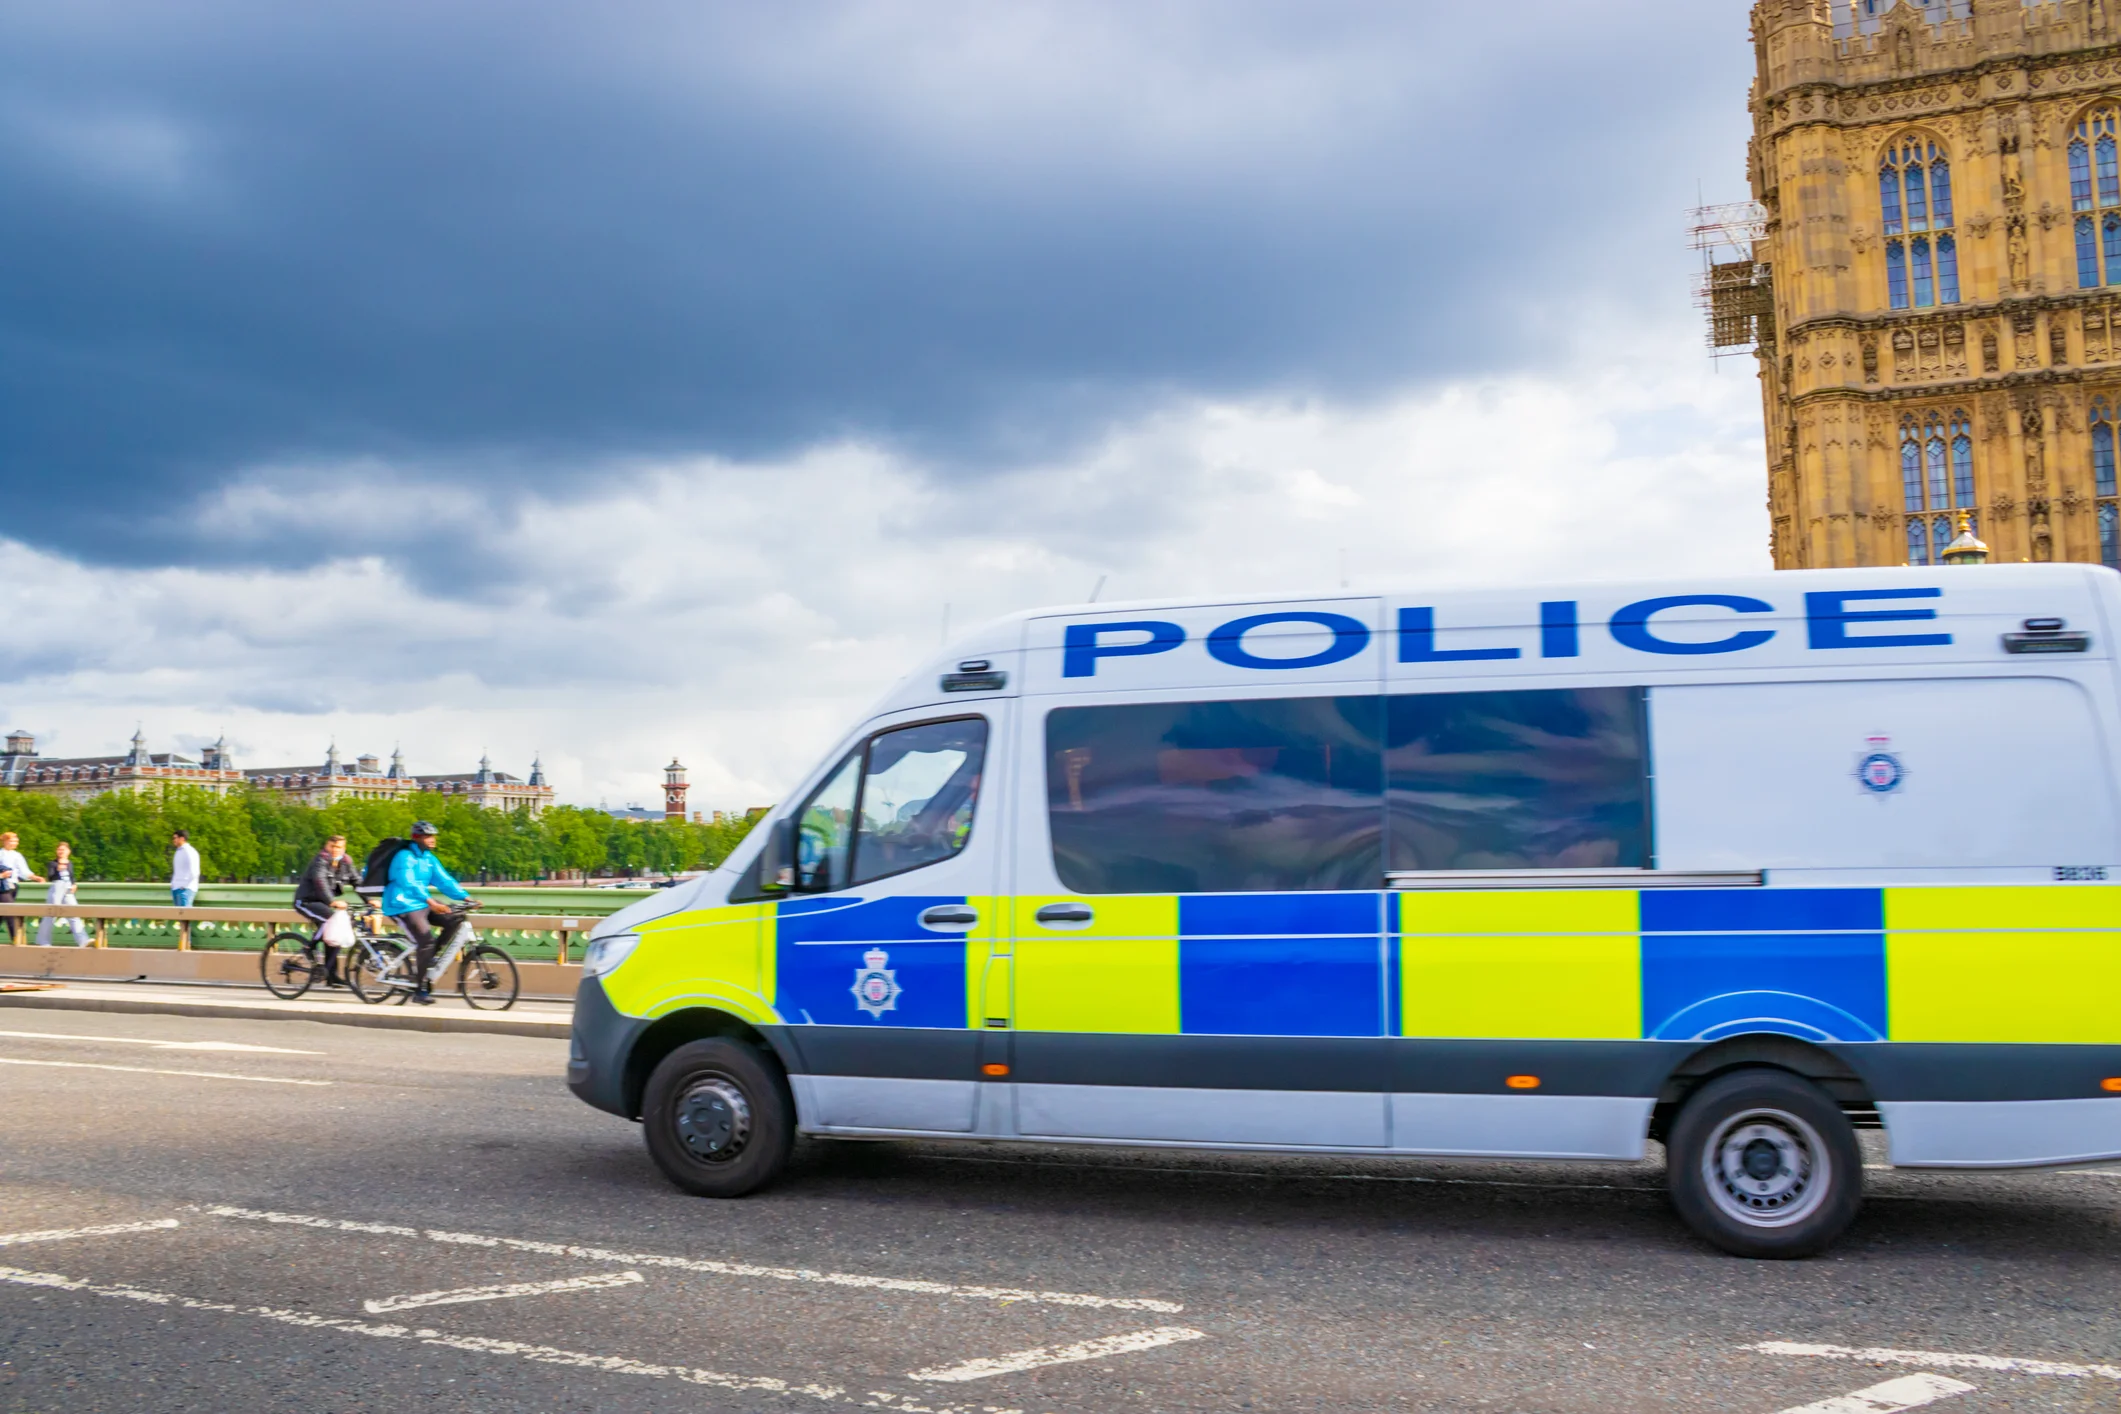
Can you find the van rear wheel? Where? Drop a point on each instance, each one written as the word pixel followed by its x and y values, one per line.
pixel 1764 1164
pixel 718 1118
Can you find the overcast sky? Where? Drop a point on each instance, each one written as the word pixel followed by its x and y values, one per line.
pixel 635 379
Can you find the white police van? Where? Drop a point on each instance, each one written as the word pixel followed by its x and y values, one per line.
pixel 1742 866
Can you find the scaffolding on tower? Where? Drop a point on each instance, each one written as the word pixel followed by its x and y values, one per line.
pixel 1734 290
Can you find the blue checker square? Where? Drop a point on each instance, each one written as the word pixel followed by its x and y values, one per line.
pixel 1796 962
pixel 823 945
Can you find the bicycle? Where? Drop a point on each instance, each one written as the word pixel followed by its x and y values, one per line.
pixel 379 968
pixel 292 962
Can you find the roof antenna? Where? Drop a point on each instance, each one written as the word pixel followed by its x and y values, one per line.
pixel 1098 588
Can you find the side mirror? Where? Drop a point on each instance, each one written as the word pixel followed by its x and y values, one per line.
pixel 777 864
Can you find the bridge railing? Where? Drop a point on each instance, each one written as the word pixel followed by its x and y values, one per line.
pixel 249 927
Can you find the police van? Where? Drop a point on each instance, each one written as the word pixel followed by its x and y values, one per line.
pixel 1741 866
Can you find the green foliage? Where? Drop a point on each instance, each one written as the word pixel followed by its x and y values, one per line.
pixel 250 834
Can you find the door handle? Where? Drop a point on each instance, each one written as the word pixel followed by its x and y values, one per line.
pixel 947 915
pixel 1065 913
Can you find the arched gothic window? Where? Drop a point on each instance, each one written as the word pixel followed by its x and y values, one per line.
pixel 2101 419
pixel 1936 475
pixel 1915 201
pixel 2095 195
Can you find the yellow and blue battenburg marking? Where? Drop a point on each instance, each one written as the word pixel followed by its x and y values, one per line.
pixel 1998 964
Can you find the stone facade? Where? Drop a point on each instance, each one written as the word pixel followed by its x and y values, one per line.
pixel 1924 355
pixel 363 778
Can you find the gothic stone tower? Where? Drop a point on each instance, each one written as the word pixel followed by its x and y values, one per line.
pixel 1937 295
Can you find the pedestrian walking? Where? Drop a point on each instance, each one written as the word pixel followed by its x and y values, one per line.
pixel 183 870
pixel 61 891
pixel 14 873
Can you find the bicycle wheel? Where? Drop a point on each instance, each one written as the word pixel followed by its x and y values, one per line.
pixel 289 964
pixel 372 969
pixel 487 979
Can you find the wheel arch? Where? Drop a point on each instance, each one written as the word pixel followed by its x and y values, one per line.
pixel 666 1033
pixel 1764 1051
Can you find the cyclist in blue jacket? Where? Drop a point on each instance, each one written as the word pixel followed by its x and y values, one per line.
pixel 415 874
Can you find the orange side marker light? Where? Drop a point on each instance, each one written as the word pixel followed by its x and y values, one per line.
pixel 994 1070
pixel 1523 1082
pixel 2112 1083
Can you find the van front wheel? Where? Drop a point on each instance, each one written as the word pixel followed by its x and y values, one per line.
pixel 1764 1164
pixel 718 1118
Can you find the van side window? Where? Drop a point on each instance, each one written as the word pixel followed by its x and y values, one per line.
pixel 1217 796
pixel 1517 780
pixel 918 794
pixel 824 830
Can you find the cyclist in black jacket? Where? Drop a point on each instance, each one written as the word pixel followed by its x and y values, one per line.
pixel 318 894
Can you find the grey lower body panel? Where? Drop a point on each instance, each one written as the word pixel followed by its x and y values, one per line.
pixel 2000 1134
pixel 1306 1121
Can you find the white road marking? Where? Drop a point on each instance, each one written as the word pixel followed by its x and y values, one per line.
pixel 1879 1355
pixel 909 1285
pixel 146 1070
pixel 62 1234
pixel 542 1354
pixel 990 1366
pixel 160 1045
pixel 1907 1392
pixel 464 1294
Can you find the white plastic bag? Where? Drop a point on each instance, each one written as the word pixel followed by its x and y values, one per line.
pixel 337 929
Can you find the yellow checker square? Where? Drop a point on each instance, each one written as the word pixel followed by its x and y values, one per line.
pixel 984 941
pixel 2006 964
pixel 1551 964
pixel 711 950
pixel 1116 974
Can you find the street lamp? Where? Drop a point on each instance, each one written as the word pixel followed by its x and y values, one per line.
pixel 1968 549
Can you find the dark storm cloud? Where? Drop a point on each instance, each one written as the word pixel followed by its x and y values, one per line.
pixel 511 245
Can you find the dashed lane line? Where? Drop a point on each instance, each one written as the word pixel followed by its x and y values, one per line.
pixel 67 1234
pixel 908 1285
pixel 466 1294
pixel 159 1044
pixel 478 1345
pixel 1939 1359
pixel 1907 1392
pixel 1104 1346
pixel 145 1070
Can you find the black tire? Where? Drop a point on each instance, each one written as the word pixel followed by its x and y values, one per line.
pixel 365 969
pixel 1764 1164
pixel 718 1118
pixel 486 979
pixel 290 964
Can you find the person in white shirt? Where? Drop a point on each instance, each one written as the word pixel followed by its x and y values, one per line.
pixel 14 873
pixel 61 892
pixel 183 870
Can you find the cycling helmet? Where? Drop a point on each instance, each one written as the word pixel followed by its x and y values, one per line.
pixel 423 827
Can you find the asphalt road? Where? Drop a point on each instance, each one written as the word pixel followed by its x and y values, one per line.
pixel 318 1246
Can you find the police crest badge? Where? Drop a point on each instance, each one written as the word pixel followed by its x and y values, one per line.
pixel 876 988
pixel 1878 769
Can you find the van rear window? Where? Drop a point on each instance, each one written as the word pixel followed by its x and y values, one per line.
pixel 1328 792
pixel 1517 780
pixel 1217 797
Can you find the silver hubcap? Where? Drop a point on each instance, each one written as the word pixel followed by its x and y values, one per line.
pixel 1767 1168
pixel 714 1121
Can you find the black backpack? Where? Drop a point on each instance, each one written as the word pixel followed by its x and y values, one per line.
pixel 375 873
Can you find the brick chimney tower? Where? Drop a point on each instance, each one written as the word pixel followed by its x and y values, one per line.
pixel 674 788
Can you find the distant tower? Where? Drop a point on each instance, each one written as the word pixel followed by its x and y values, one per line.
pixel 397 763
pixel 537 771
pixel 138 755
pixel 216 757
pixel 674 788
pixel 485 776
pixel 21 743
